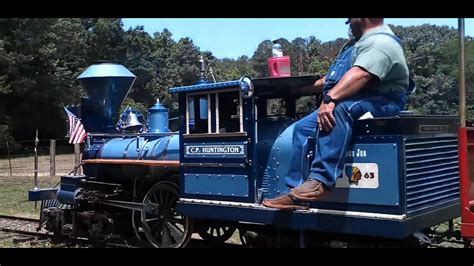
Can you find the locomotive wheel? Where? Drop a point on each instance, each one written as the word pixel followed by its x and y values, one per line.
pixel 165 228
pixel 137 226
pixel 216 233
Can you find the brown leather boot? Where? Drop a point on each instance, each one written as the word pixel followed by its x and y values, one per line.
pixel 311 190
pixel 285 202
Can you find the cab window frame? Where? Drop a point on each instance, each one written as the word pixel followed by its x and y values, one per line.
pixel 213 120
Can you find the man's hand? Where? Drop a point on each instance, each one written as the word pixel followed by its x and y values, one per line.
pixel 326 118
pixel 353 81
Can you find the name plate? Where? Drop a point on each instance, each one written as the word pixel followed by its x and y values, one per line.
pixel 223 150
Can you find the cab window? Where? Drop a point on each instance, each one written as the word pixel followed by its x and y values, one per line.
pixel 214 113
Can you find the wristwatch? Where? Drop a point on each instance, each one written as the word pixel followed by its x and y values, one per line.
pixel 327 99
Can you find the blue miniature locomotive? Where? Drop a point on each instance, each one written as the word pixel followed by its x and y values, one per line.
pixel 401 176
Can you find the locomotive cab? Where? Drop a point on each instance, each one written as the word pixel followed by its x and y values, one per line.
pixel 222 125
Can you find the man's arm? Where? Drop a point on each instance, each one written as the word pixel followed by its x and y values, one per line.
pixel 316 87
pixel 353 81
pixel 319 85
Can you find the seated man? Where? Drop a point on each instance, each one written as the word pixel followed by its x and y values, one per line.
pixel 369 75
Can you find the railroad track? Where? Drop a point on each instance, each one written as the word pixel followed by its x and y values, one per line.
pixel 27 227
pixel 20 225
pixel 16 226
pixel 26 233
pixel 9 217
pixel 32 225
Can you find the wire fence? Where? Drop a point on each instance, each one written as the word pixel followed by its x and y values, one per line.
pixel 55 157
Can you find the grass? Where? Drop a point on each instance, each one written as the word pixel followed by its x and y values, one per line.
pixel 14 195
pixel 14 189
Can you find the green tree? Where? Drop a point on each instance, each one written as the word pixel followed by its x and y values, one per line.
pixel 105 39
pixel 432 60
pixel 38 72
pixel 260 58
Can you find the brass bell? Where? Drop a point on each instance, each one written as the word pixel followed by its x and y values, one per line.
pixel 132 122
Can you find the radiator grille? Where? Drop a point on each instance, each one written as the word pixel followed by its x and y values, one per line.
pixel 432 173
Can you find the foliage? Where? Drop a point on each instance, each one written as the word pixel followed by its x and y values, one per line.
pixel 40 59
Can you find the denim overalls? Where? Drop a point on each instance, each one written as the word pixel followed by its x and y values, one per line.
pixel 331 147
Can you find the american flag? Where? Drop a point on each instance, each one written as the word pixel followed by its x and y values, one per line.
pixel 77 133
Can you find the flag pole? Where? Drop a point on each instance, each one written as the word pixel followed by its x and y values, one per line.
pixel 36 165
pixel 462 80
